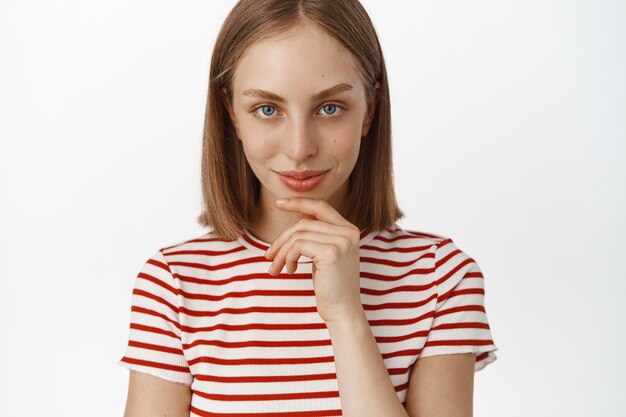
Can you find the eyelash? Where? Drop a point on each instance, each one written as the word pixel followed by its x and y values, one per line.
pixel 329 116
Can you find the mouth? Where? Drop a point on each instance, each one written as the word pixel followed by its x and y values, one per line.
pixel 307 181
pixel 301 175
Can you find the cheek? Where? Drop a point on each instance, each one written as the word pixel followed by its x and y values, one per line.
pixel 255 147
pixel 255 141
pixel 256 153
pixel 345 138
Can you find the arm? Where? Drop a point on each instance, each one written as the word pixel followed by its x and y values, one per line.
pixel 160 378
pixel 150 396
pixel 365 389
pixel 439 386
pixel 442 386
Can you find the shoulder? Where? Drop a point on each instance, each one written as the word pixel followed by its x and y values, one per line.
pixel 412 238
pixel 442 246
pixel 408 248
pixel 439 251
pixel 206 240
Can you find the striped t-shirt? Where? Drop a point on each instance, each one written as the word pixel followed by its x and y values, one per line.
pixel 205 313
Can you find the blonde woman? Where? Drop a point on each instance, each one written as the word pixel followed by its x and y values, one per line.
pixel 320 305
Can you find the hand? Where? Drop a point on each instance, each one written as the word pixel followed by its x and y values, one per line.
pixel 332 243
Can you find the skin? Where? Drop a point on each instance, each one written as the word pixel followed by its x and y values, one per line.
pixel 332 243
pixel 150 396
pixel 302 134
pixel 296 65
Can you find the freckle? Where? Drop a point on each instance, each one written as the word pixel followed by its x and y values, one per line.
pixel 322 75
pixel 334 140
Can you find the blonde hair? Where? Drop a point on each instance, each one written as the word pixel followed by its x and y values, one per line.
pixel 230 190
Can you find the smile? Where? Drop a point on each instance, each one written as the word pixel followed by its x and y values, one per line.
pixel 302 185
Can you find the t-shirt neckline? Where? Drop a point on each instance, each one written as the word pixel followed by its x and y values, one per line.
pixel 259 246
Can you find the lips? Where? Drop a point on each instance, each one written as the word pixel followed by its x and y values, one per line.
pixel 301 175
pixel 304 184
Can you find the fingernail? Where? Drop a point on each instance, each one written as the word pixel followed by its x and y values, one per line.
pixel 281 201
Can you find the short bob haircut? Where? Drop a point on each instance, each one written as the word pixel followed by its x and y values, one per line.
pixel 230 190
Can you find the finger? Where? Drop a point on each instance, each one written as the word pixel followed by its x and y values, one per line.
pixel 295 251
pixel 319 209
pixel 351 232
pixel 309 248
pixel 300 226
pixel 281 255
pixel 314 249
pixel 291 259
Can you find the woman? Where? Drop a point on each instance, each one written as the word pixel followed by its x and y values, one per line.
pixel 344 313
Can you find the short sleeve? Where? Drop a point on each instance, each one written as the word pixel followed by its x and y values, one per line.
pixel 154 343
pixel 460 322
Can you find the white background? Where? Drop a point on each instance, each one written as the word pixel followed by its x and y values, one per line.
pixel 508 117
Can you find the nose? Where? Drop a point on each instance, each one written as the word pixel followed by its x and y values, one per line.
pixel 301 139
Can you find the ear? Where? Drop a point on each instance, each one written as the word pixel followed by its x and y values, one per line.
pixel 371 108
pixel 229 109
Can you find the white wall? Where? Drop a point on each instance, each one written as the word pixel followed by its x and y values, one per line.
pixel 509 116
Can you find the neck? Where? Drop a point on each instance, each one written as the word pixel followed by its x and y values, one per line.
pixel 269 221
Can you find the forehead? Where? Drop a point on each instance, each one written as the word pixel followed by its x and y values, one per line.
pixel 301 59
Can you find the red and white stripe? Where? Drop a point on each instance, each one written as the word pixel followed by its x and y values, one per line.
pixel 205 313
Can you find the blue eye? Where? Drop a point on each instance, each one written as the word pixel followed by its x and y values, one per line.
pixel 263 108
pixel 269 112
pixel 333 108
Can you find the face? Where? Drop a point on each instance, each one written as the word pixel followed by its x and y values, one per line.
pixel 284 122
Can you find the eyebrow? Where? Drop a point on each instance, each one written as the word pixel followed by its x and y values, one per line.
pixel 339 88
